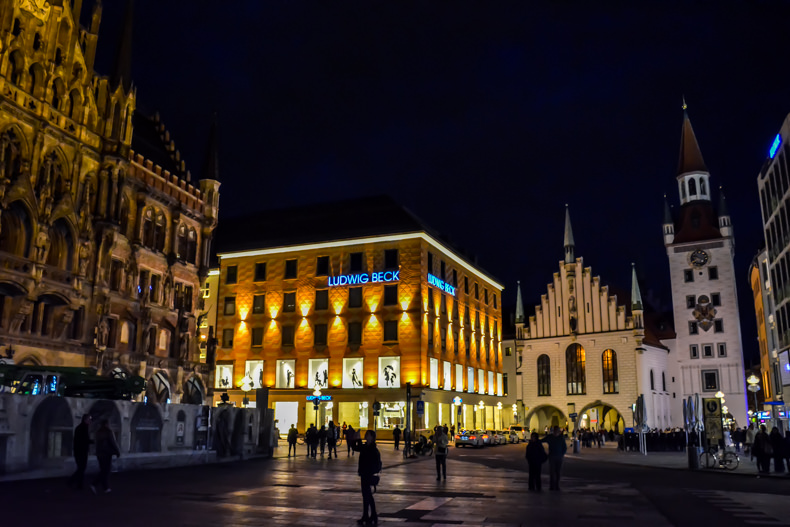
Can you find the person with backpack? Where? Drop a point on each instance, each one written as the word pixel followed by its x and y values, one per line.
pixel 536 456
pixel 331 438
pixel 440 443
pixel 368 469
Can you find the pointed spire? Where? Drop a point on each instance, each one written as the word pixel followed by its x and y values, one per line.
pixel 636 295
pixel 667 212
pixel 519 305
pixel 211 168
pixel 123 59
pixel 569 246
pixel 690 159
pixel 723 211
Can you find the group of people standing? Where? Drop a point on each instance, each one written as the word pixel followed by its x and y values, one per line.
pixel 536 455
pixel 765 446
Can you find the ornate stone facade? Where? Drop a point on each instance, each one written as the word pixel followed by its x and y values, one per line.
pixel 104 239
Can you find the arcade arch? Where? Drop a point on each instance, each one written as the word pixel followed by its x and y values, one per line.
pixel 605 415
pixel 545 416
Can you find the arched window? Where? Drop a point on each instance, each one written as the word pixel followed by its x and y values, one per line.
pixel 16 231
pixel 181 249
pixel 148 228
pixel 37 42
pixel 652 381
pixel 58 90
pixel 61 246
pixel 692 187
pixel 12 154
pixel 159 231
pixel 58 57
pixel 682 190
pixel 575 370
pixel 544 375
pixel 192 246
pixel 116 120
pixel 15 65
pixel 702 189
pixel 610 380
pixel 125 333
pixel 17 29
pixel 663 381
pixel 36 72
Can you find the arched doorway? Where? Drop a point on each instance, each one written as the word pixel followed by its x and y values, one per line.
pixel 543 417
pixel 146 428
pixel 600 415
pixel 51 432
pixel 193 391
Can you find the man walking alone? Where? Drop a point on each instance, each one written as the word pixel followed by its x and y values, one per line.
pixel 106 448
pixel 557 449
pixel 396 436
pixel 293 434
pixel 82 441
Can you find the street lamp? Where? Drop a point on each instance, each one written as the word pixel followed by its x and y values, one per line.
pixel 457 402
pixel 246 386
pixel 499 407
pixel 482 415
pixel 515 413
pixel 754 387
pixel 316 403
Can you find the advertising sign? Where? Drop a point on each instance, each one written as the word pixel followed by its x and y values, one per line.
pixel 712 414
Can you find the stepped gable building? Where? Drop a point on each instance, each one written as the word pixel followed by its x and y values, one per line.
pixel 586 357
pixel 104 236
pixel 356 298
pixel 700 247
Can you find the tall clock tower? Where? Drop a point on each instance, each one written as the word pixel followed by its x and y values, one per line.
pixel 700 247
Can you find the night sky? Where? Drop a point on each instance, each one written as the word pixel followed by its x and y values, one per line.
pixel 483 118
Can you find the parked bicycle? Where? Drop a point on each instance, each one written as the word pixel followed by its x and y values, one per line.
pixel 712 458
pixel 423 447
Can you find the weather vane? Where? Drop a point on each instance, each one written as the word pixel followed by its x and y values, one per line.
pixel 684 103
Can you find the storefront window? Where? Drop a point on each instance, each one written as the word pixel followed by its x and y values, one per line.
pixel 389 372
pixel 224 376
pixel 352 372
pixel 285 373
pixel 318 374
pixel 353 414
pixel 448 375
pixel 391 414
pixel 459 378
pixel 481 381
pixel 499 385
pixel 433 381
pixel 470 379
pixel 490 383
pixel 254 371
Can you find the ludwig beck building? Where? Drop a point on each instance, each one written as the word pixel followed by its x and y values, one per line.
pixel 355 300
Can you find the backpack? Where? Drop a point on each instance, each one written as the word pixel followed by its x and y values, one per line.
pixel 441 444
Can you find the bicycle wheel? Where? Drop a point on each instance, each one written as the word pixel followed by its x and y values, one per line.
pixel 707 460
pixel 730 461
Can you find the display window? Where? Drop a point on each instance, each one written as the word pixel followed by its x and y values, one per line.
pixel 254 371
pixel 286 373
pixel 389 372
pixel 318 374
pixel 481 381
pixel 224 377
pixel 353 414
pixel 352 372
pixel 490 383
pixel 499 387
pixel 459 378
pixel 433 382
pixel 470 379
pixel 391 414
pixel 448 375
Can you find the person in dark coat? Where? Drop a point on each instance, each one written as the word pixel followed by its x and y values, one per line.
pixel 777 444
pixel 331 438
pixel 106 448
pixel 396 437
pixel 536 456
pixel 293 435
pixel 762 450
pixel 368 470
pixel 311 440
pixel 82 441
pixel 351 435
pixel 557 449
pixel 322 439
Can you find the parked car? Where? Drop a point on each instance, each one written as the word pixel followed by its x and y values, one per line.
pixel 512 436
pixel 521 432
pixel 498 437
pixel 469 438
pixel 487 437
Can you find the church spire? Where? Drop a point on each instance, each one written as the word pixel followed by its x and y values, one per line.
pixel 122 75
pixel 690 159
pixel 569 246
pixel 519 304
pixel 636 295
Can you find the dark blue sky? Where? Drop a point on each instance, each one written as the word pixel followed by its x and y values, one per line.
pixel 484 118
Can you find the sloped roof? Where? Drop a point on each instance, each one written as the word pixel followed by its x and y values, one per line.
pixel 697 221
pixel 690 159
pixel 149 140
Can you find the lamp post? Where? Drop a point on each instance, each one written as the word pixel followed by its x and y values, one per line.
pixel 457 402
pixel 499 407
pixel 754 387
pixel 482 407
pixel 515 412
pixel 316 403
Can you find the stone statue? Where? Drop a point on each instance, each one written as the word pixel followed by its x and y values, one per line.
pixel 168 288
pixel 42 246
pixel 131 275
pixel 184 347
pixel 86 217
pixel 85 253
pixel 211 347
pixel 102 333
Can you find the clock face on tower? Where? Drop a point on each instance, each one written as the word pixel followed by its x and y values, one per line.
pixel 699 258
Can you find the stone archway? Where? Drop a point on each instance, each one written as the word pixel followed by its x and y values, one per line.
pixel 146 429
pixel 51 431
pixel 600 415
pixel 545 416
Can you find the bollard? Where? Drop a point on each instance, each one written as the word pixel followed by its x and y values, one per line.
pixel 575 446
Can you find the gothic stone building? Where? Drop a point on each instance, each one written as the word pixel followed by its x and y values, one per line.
pixel 103 235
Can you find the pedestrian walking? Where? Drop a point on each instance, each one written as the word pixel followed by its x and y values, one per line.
pixel 331 438
pixel 322 439
pixel 293 434
pixel 396 437
pixel 82 441
pixel 557 449
pixel 536 456
pixel 106 448
pixel 440 444
pixel 311 440
pixel 762 450
pixel 368 469
pixel 777 444
pixel 452 434
pixel 350 437
pixel 749 438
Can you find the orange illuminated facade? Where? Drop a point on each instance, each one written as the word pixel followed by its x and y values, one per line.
pixel 358 318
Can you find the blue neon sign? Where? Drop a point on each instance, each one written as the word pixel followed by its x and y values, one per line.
pixel 775 146
pixel 364 278
pixel 441 284
pixel 319 398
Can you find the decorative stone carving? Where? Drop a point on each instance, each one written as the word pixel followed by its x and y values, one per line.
pixel 42 246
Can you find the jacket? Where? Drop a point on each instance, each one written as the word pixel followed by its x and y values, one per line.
pixel 293 434
pixel 557 445
pixel 369 459
pixel 82 440
pixel 106 445
pixel 536 455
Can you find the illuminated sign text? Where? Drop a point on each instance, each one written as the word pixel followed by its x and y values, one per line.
pixel 441 284
pixel 364 278
pixel 775 146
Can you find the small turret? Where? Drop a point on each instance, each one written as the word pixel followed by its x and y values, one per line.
pixel 637 309
pixel 725 225
pixel 519 312
pixel 669 223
